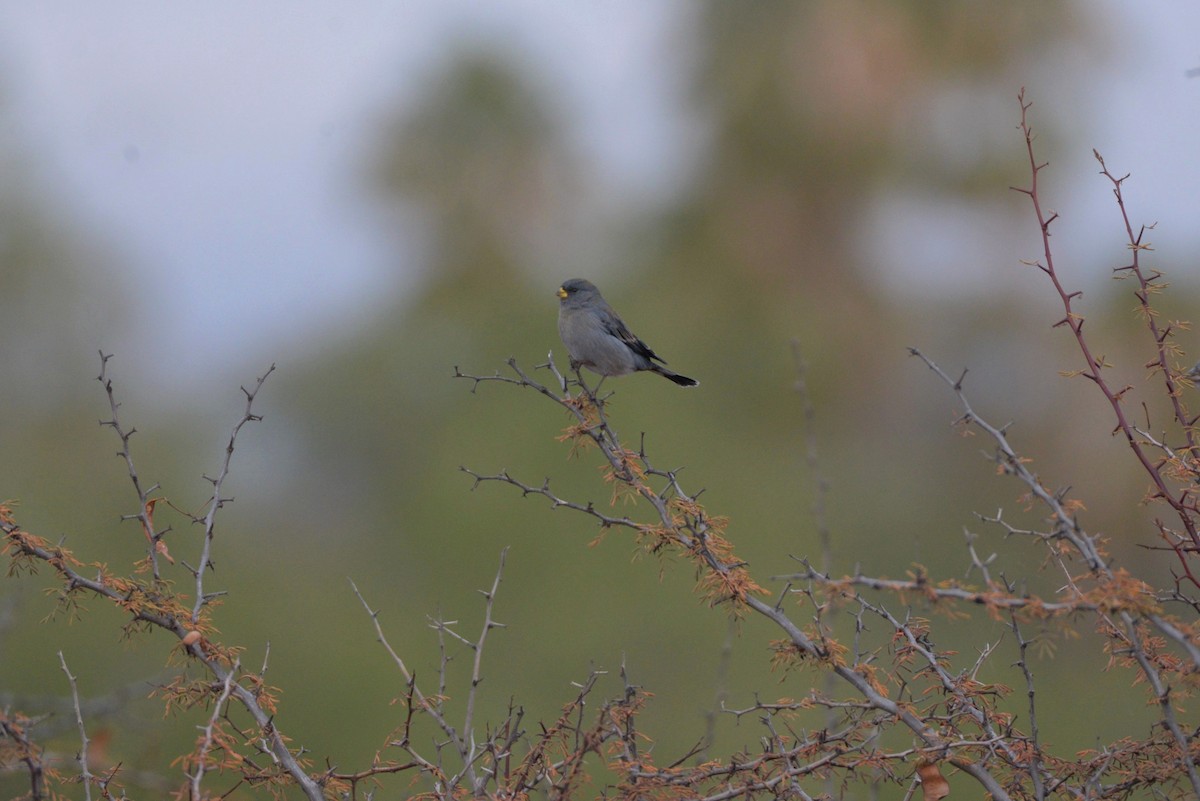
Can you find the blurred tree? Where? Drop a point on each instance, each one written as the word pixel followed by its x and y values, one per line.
pixel 483 156
pixel 61 298
pixel 814 107
pixel 56 310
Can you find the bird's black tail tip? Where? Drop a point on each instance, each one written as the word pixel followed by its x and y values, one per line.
pixel 682 380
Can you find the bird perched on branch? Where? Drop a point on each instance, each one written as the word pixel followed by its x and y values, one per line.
pixel 597 338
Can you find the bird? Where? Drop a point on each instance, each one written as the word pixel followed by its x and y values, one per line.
pixel 598 339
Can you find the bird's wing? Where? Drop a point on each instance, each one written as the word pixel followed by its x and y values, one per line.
pixel 616 326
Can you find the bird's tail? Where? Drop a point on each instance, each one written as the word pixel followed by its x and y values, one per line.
pixel 681 380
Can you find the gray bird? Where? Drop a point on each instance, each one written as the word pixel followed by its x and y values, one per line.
pixel 596 337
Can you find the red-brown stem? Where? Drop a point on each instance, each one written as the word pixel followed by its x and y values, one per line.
pixel 1075 323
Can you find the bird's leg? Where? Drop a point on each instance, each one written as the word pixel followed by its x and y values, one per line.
pixel 575 368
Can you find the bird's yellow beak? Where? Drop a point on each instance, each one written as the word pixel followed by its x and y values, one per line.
pixel 562 293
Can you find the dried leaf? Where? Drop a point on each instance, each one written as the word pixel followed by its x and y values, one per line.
pixel 934 786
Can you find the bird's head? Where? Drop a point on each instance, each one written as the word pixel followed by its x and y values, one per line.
pixel 576 288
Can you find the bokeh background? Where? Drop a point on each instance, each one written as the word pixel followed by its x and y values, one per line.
pixel 369 194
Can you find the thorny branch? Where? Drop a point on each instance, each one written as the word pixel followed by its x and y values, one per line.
pixel 1006 762
pixel 85 775
pixel 505 762
pixel 682 525
pixel 216 502
pixel 463 740
pixel 154 604
pixel 1125 621
pixel 209 734
pixel 903 688
pixel 145 504
pixel 1181 501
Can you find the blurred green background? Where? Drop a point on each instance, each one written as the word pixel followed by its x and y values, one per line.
pixel 832 174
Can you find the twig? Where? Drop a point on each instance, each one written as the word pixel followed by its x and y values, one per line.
pixel 489 623
pixel 469 751
pixel 15 728
pixel 85 775
pixel 206 741
pixel 145 506
pixel 1035 758
pixel 216 502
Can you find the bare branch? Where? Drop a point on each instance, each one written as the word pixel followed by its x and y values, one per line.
pixel 216 502
pixel 85 775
